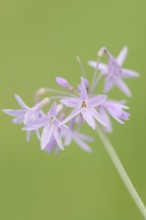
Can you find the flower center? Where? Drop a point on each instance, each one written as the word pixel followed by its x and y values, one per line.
pixel 84 104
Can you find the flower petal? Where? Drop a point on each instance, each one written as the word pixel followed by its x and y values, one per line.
pixel 38 123
pixel 21 102
pixel 123 87
pixel 70 102
pixel 97 100
pixel 85 137
pixel 122 56
pixel 106 117
pixel 46 136
pixel 67 138
pixel 83 95
pixel 102 67
pixel 98 117
pixel 51 145
pixel 82 144
pixel 126 73
pixel 18 119
pixel 53 108
pixel 108 85
pixel 74 113
pixel 57 137
pixel 88 118
pixel 16 112
pixel 28 135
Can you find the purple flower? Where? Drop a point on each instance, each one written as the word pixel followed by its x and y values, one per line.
pixel 26 115
pixel 114 73
pixel 85 106
pixel 51 131
pixel 116 110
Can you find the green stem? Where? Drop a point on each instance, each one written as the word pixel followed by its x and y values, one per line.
pixel 119 167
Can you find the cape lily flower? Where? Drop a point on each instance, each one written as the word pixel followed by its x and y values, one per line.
pixel 51 130
pixel 85 106
pixel 26 115
pixel 116 110
pixel 114 72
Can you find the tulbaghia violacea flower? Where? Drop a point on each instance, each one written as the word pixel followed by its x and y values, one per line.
pixel 49 123
pixel 116 110
pixel 113 72
pixel 95 110
pixel 26 115
pixel 85 106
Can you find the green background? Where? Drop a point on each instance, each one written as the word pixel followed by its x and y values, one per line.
pixel 39 40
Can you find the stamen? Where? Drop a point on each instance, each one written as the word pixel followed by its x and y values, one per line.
pixel 84 104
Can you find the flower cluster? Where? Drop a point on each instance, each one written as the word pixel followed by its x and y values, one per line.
pixel 71 108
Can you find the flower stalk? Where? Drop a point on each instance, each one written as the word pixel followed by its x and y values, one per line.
pixel 122 172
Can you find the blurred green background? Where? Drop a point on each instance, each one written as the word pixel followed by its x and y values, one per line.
pixel 39 40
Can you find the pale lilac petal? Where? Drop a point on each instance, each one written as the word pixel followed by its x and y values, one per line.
pixel 125 115
pixel 70 102
pixel 92 63
pixel 16 112
pixel 57 151
pixel 86 84
pixel 123 87
pixel 86 137
pixel 67 139
pixel 83 95
pixel 114 70
pixel 88 118
pixel 117 105
pixel 64 83
pixel 46 136
pixel 50 146
pixel 122 56
pixel 28 135
pixel 116 117
pixel 74 113
pixel 29 117
pixel 102 67
pixel 112 104
pixel 57 137
pixel 108 85
pixel 106 117
pixel 52 111
pixel 21 102
pixel 38 123
pixel 82 144
pixel 18 119
pixel 98 117
pixel 38 134
pixel 116 111
pixel 97 100
pixel 126 73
